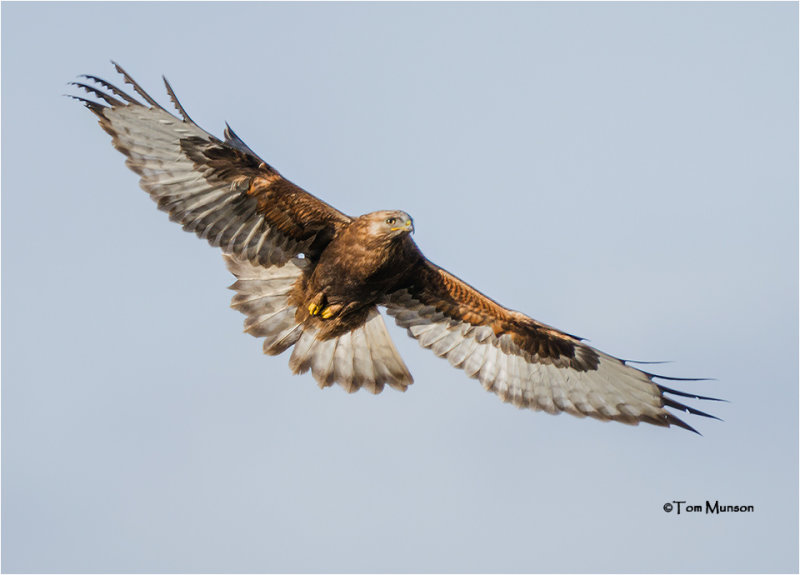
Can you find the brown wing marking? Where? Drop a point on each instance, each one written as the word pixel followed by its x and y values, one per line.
pixel 460 301
pixel 220 190
pixel 526 363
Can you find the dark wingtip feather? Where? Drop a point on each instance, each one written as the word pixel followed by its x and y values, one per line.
pixel 671 378
pixel 99 93
pixel 678 422
pixel 672 403
pixel 139 90
pixel 93 106
pixel 113 89
pixel 669 402
pixel 175 101
pixel 665 389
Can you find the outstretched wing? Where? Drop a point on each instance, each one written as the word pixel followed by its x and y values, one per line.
pixel 220 190
pixel 523 361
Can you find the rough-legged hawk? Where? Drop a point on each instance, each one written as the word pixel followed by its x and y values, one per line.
pixel 312 278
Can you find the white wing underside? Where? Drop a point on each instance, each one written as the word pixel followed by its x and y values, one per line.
pixel 212 208
pixel 613 391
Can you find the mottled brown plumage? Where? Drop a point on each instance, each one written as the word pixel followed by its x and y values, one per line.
pixel 360 265
pixel 311 278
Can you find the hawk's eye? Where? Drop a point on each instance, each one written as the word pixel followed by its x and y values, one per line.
pixel 391 221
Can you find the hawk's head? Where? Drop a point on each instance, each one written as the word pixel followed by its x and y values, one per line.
pixel 388 223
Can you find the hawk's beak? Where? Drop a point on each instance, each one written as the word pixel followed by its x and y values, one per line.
pixel 408 227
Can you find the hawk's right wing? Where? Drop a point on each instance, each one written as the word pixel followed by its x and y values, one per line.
pixel 222 191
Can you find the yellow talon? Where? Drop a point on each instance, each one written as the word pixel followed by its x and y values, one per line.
pixel 327 313
pixel 313 309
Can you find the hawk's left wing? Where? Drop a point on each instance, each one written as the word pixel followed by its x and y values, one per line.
pixel 523 361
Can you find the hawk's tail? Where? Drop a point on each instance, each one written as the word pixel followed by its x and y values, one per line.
pixel 364 357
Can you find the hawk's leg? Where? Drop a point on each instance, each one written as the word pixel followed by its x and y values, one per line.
pixel 330 310
pixel 319 306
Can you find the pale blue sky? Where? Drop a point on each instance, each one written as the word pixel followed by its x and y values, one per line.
pixel 626 172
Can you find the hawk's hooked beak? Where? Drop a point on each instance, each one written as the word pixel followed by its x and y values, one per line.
pixel 408 227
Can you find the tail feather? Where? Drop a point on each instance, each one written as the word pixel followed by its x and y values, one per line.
pixel 283 340
pixel 343 362
pixel 322 362
pixel 363 372
pixel 362 358
pixel 270 323
pixel 388 365
pixel 300 360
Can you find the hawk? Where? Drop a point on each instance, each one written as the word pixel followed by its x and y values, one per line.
pixel 311 278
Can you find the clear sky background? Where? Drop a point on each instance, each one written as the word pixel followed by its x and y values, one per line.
pixel 625 172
